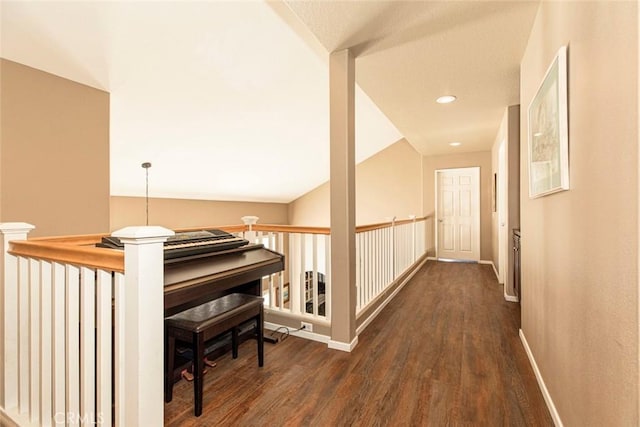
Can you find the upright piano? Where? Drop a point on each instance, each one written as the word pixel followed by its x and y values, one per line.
pixel 203 265
pixel 190 281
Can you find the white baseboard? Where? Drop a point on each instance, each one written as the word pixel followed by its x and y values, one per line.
pixel 337 345
pixel 543 387
pixel 302 334
pixel 511 298
pixel 387 300
pixel 343 346
pixel 495 270
pixel 432 258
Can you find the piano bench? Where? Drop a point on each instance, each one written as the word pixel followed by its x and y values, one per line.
pixel 199 324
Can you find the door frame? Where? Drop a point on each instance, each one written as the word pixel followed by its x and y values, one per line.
pixel 477 243
pixel 502 211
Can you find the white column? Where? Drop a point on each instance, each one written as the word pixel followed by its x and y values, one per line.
pixel 9 313
pixel 143 331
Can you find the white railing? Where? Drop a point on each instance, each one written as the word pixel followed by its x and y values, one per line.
pixel 81 327
pixel 303 289
pixel 81 341
pixel 383 253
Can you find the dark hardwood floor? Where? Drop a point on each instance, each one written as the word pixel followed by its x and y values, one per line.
pixel 444 352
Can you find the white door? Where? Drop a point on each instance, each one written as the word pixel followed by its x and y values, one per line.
pixel 458 214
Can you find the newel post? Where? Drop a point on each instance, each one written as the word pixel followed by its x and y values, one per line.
pixel 143 312
pixel 250 221
pixel 9 313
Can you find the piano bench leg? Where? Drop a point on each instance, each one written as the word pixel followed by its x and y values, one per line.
pixel 168 379
pixel 198 374
pixel 234 342
pixel 260 336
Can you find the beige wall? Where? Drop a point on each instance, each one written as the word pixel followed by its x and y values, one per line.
pixel 184 213
pixel 463 160
pixel 387 184
pixel 580 247
pixel 54 148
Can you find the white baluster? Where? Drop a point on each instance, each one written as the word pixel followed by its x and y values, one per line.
pixel 119 332
pixel 59 349
pixel 9 322
pixel 250 221
pixel 34 340
pixel 103 349
pixel 72 352
pixel 87 345
pixel 46 342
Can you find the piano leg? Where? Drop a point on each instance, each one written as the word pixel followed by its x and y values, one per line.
pixel 234 342
pixel 260 333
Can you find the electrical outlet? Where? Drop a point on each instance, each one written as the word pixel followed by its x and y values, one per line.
pixel 306 326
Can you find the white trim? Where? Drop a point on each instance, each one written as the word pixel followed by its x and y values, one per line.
pixel 494 268
pixel 511 298
pixel 543 388
pixel 478 224
pixel 302 334
pixel 387 300
pixel 507 297
pixel 432 258
pixel 343 346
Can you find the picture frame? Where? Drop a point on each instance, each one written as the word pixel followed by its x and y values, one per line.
pixel 548 133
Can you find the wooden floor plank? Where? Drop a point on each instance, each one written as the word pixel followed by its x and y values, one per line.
pixel 445 351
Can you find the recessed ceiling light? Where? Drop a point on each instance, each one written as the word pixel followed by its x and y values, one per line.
pixel 446 99
pixel 455 144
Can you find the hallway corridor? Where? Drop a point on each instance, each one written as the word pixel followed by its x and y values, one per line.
pixel 445 351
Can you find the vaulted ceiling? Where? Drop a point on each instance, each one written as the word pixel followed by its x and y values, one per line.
pixel 229 100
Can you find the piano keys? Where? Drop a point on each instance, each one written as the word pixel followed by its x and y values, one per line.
pixel 203 265
pixel 188 243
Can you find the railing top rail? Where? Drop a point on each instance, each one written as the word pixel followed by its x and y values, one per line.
pixel 319 230
pixel 58 250
pixel 82 239
pixel 81 250
pixel 238 228
pixel 371 227
pixel 291 229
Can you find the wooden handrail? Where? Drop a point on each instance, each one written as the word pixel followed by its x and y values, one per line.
pixel 325 230
pixel 291 229
pixel 371 227
pixel 83 239
pixel 238 228
pixel 81 250
pixel 106 259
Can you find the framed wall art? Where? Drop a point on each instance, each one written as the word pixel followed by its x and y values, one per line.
pixel 549 131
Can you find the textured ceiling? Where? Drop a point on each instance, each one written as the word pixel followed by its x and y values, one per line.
pixel 229 100
pixel 409 53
